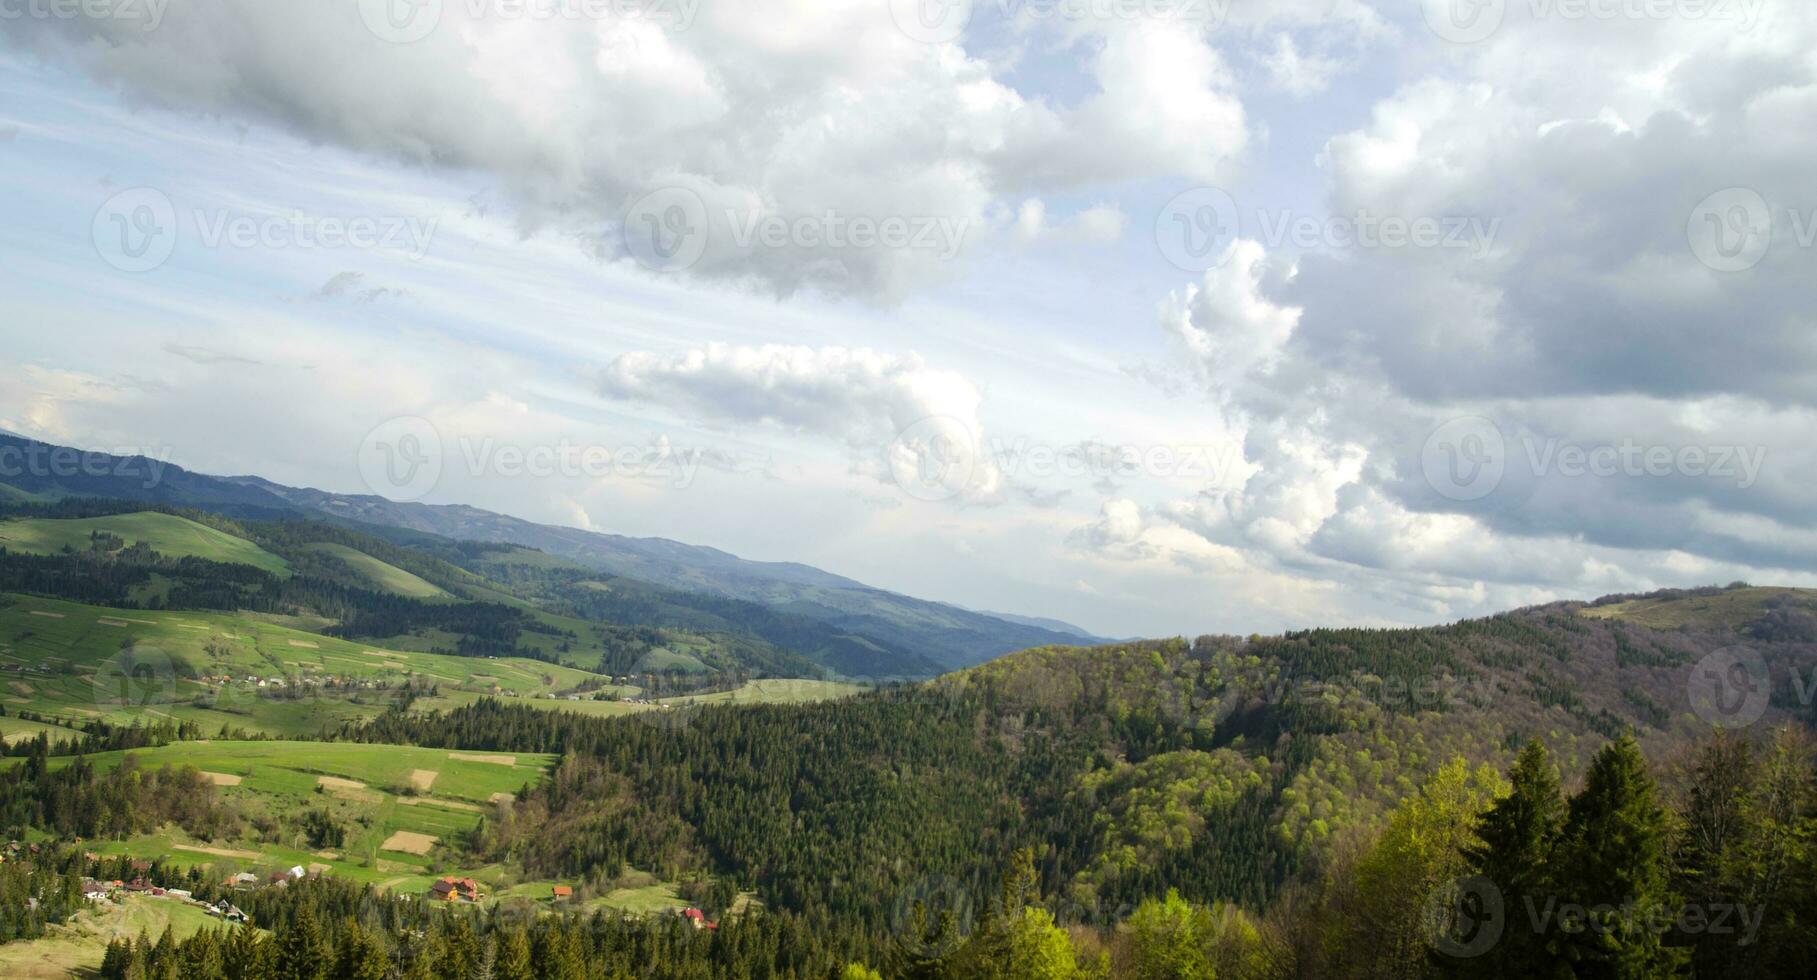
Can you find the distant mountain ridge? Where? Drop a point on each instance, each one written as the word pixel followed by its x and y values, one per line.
pixel 944 634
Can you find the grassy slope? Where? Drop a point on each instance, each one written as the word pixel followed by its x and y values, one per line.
pixel 76 949
pixel 1728 610
pixel 80 656
pixel 281 778
pixel 385 577
pixel 172 536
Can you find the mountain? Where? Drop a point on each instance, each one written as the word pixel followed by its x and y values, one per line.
pixel 934 636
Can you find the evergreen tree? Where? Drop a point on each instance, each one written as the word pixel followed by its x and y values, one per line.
pixel 1515 854
pixel 1612 866
pixel 301 954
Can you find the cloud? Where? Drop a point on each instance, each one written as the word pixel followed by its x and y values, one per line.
pixel 758 111
pixel 900 417
pixel 1593 326
pixel 205 355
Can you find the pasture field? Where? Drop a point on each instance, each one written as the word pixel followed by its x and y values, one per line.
pixel 775 691
pixel 77 947
pixel 398 834
pixel 295 769
pixel 78 662
pixel 1732 608
pixel 171 536
pixel 380 575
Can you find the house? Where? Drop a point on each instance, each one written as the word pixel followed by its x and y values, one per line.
pixel 244 879
pixel 450 889
pixel 698 919
pixel 94 891
pixel 563 893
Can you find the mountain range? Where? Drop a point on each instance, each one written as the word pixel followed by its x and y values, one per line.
pixel 899 635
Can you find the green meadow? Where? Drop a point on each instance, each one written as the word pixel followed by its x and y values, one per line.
pixel 78 662
pixel 166 534
pixel 380 575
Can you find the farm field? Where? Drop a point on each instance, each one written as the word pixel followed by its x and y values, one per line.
pixel 382 576
pixel 78 662
pixel 172 536
pixel 76 948
pixel 400 804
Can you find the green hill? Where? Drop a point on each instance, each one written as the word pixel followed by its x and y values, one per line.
pixel 166 534
pixel 380 575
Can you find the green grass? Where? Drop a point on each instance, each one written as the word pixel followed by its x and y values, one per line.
pixel 76 948
pixel 382 576
pixel 365 791
pixel 171 536
pixel 772 691
pixel 1729 609
pixel 77 661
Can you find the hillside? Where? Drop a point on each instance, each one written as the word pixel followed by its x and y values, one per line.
pixel 166 534
pixel 929 632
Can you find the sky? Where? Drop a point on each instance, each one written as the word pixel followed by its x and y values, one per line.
pixel 1155 316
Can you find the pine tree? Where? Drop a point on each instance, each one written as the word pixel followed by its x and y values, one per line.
pixel 301 953
pixel 1515 854
pixel 513 956
pixel 1613 867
